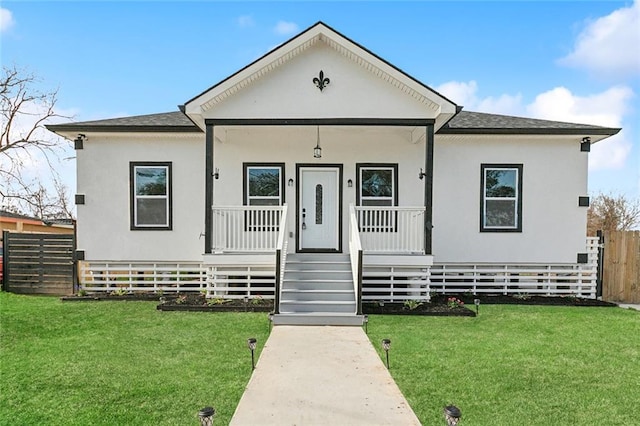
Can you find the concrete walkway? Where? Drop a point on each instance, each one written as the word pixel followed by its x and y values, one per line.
pixel 321 376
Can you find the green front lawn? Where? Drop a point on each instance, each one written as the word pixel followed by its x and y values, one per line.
pixel 105 363
pixel 518 365
pixel 118 363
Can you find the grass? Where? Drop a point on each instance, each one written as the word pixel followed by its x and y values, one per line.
pixel 518 365
pixel 106 363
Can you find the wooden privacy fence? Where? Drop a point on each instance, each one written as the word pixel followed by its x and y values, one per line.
pixel 38 263
pixel 621 266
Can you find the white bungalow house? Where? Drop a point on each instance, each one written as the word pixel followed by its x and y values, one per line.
pixel 321 175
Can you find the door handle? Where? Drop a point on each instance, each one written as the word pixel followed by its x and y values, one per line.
pixel 304 215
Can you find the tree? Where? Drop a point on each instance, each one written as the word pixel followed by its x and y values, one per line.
pixel 24 110
pixel 609 212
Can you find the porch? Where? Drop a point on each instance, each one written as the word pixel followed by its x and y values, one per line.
pixel 384 260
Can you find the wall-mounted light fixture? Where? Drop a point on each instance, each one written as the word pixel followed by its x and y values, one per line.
pixel 350 183
pixel 422 174
pixel 317 151
pixel 290 182
pixel 216 174
pixel 585 145
pixel 78 143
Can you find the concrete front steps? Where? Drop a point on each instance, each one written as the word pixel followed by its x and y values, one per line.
pixel 317 290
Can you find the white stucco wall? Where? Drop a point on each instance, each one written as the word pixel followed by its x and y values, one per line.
pixel 554 176
pixel 288 92
pixel 103 177
pixel 340 145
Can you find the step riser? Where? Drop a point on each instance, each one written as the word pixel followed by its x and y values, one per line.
pixel 317 275
pixel 318 297
pixel 332 286
pixel 354 320
pixel 315 266
pixel 321 257
pixel 292 308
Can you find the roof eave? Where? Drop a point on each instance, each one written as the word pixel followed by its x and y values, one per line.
pixel 530 131
pixel 56 128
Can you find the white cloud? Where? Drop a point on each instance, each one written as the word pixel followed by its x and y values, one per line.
pixel 6 20
pixel 601 109
pixel 285 28
pixel 609 45
pixel 465 94
pixel 607 108
pixel 245 21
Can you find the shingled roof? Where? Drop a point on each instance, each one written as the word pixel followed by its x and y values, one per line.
pixel 163 122
pixel 465 122
pixel 468 122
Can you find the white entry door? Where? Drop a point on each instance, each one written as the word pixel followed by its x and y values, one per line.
pixel 319 206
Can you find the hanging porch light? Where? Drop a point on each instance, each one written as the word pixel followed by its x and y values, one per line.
pixel 317 151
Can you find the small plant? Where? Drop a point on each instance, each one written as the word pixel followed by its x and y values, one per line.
pixel 181 299
pixel 203 291
pixel 257 300
pixel 216 301
pixel 160 292
pixel 82 292
pixel 120 291
pixel 411 304
pixel 454 302
pixel 522 296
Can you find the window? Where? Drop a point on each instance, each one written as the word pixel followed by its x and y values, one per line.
pixel 501 198
pixel 377 186
pixel 150 185
pixel 263 186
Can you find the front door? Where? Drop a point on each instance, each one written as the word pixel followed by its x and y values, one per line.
pixel 319 208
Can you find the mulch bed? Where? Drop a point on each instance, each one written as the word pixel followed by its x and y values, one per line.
pixel 425 308
pixel 499 299
pixel 436 307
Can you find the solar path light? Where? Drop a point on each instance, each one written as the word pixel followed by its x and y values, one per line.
pixel 386 345
pixel 452 415
pixel 206 416
pixel 251 343
pixel 477 303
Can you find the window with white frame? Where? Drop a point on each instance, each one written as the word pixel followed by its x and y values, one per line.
pixel 150 187
pixel 377 186
pixel 263 186
pixel 501 198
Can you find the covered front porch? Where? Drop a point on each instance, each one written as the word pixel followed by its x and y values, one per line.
pixel 323 286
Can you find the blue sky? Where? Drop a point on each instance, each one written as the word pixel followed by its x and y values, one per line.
pixel 568 61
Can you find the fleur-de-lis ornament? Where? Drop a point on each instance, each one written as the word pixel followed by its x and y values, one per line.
pixel 321 81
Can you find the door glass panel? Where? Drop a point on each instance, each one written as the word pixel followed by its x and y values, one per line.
pixel 318 204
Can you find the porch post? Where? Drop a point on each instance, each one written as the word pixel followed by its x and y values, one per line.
pixel 208 188
pixel 428 189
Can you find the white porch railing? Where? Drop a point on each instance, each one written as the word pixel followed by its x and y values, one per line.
pixel 355 253
pixel 391 229
pixel 246 228
pixel 281 258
